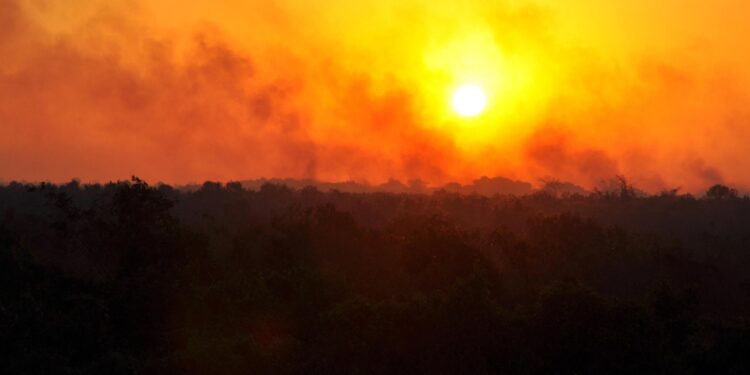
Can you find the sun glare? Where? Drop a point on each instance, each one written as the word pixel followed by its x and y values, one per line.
pixel 469 100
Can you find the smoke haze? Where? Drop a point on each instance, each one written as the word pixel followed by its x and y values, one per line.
pixel 579 91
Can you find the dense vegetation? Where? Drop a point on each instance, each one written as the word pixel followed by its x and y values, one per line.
pixel 128 278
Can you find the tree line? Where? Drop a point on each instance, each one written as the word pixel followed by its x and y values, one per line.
pixel 129 278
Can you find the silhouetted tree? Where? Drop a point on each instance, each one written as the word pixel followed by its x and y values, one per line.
pixel 219 278
pixel 721 192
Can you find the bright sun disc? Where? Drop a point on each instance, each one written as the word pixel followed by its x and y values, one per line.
pixel 469 100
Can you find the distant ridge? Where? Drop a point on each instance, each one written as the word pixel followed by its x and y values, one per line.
pixel 487 186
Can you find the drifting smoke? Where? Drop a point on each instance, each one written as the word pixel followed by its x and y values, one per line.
pixel 179 93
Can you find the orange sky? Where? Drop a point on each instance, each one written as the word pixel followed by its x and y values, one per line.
pixel 176 91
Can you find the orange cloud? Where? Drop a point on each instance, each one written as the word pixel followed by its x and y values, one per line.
pixel 244 89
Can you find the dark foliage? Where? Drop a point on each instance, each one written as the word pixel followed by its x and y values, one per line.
pixel 127 278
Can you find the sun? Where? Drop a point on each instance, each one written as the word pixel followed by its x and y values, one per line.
pixel 469 100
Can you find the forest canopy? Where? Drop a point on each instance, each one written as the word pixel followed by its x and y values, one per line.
pixel 127 277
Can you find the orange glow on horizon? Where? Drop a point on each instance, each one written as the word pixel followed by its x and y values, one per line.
pixel 179 92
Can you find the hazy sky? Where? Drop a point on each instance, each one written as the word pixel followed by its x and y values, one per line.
pixel 180 91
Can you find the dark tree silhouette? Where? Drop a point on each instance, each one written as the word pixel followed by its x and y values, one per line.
pixel 130 278
pixel 720 192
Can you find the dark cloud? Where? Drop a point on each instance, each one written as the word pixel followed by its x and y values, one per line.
pixel 553 152
pixel 707 174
